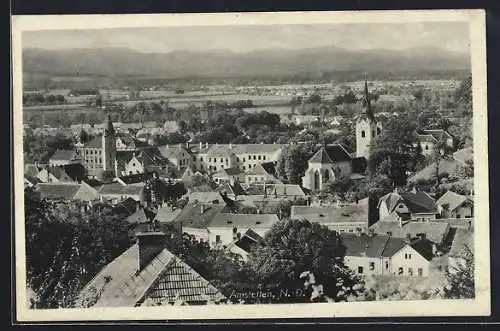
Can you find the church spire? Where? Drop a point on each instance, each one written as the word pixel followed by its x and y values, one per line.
pixel 366 100
pixel 108 126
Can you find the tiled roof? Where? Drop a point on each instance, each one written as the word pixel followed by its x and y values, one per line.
pixel 434 231
pixel 59 173
pixel 438 134
pixel 31 169
pixel 461 239
pixel 199 196
pixel 141 216
pixel 321 157
pixel 235 189
pixel 350 213
pixel 257 170
pixel 136 178
pixel 337 153
pixel 238 149
pixel 229 172
pixel 63 155
pixel 58 190
pixel 172 151
pixel 272 190
pixel 427 138
pixel 117 188
pixel 75 171
pixel 94 143
pixel 249 221
pixel 165 277
pixel 417 202
pixel 451 200
pixel 371 246
pixel 165 214
pixel 191 215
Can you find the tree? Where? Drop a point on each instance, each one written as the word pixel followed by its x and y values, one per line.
pixel 460 278
pixel 340 186
pixel 292 247
pixel 396 152
pixel 292 163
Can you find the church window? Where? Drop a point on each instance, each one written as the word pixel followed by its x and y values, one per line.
pixel 373 133
pixel 378 130
pixel 363 134
pixel 327 175
pixel 426 147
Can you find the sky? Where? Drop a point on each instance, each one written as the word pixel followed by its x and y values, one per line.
pixel 452 36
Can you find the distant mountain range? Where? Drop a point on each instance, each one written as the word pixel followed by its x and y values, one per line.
pixel 124 62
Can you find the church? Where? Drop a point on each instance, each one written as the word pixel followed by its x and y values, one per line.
pixel 99 155
pixel 333 161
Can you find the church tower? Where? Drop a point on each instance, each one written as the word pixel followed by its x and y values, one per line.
pixel 109 146
pixel 367 128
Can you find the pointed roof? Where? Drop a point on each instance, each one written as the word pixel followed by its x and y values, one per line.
pixel 367 107
pixel 321 156
pixel 108 126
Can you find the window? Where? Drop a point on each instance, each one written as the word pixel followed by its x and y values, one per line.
pixel 407 256
pixel 400 271
pixel 363 134
pixel 372 265
pixel 360 270
pixel 133 164
pixel 264 157
pixel 217 238
pixel 243 167
pixel 201 159
pixel 237 159
pixel 351 230
pixel 243 159
pixel 410 271
pixel 221 160
pixel 373 133
pixel 378 130
pixel 420 272
pixel 426 147
pixel 100 160
pixel 386 265
pixel 209 159
pixel 259 157
pixel 254 157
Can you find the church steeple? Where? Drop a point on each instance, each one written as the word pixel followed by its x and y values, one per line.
pixel 108 126
pixel 367 109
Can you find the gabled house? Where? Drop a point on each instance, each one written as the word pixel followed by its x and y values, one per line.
pixel 195 218
pixel 382 255
pixel 224 227
pixel 229 175
pixel 436 232
pixel 63 157
pixel 244 244
pixel 116 192
pixel 54 174
pixel 262 173
pixel 415 206
pixel 67 191
pixel 147 274
pixel 453 205
pixel 429 139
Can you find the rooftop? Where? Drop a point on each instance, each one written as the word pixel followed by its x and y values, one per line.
pixel 123 286
pixel 198 215
pixel 58 190
pixel 350 213
pixel 117 188
pixel 63 155
pixel 249 221
pixel 434 231
pixel 451 200
pixel 461 239
pixel 417 202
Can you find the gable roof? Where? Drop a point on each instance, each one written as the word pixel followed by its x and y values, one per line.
pixel 75 171
pixel 331 215
pixel 248 240
pixel 321 157
pixel 63 155
pixel 200 196
pixel 451 200
pixel 127 206
pixel 32 180
pixel 438 134
pixel 434 231
pixel 191 215
pixel 123 286
pixel 166 214
pixel 141 216
pixel 249 221
pixel 371 246
pixel 337 153
pixel 31 169
pixel 65 191
pixel 417 202
pixel 235 189
pixel 229 172
pixel 130 141
pixel 464 155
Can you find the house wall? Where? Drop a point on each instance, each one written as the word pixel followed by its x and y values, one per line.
pixel 200 234
pixel 408 258
pixel 462 212
pixel 423 217
pixel 369 265
pixel 134 166
pixel 427 147
pixel 350 227
pixel 122 196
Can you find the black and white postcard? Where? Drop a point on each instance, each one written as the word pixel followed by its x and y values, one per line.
pixel 251 165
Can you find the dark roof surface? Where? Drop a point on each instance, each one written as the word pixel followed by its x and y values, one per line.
pixel 63 155
pixel 58 190
pixel 371 246
pixel 191 215
pixel 321 157
pixel 434 231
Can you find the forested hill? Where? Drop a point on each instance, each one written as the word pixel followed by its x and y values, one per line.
pixel 124 62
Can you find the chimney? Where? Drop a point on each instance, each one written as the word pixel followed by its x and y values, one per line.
pixel 206 145
pixel 230 145
pixel 150 245
pixel 201 145
pixel 408 238
pixel 202 209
